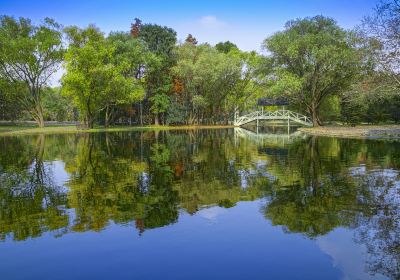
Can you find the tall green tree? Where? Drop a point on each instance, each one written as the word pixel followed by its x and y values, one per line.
pixel 161 41
pixel 97 76
pixel 29 55
pixel 311 60
pixel 133 59
pixel 87 65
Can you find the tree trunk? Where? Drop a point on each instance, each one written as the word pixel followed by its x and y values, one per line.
pixel 156 122
pixel 38 115
pixel 41 120
pixel 107 118
pixel 314 116
pixel 89 121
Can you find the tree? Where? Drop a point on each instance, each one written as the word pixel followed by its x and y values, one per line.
pixel 311 60
pixel 29 55
pixel 132 58
pixel 99 74
pixel 208 77
pixel 249 87
pixel 161 40
pixel 383 28
pixel 87 64
pixel 226 47
pixel 135 28
pixel 191 40
pixel 159 82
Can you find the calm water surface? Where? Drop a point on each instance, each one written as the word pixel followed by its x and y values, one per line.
pixel 207 204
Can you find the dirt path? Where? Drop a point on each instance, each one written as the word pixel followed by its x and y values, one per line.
pixel 362 131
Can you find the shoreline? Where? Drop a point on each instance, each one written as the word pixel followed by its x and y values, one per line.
pixel 23 130
pixel 360 131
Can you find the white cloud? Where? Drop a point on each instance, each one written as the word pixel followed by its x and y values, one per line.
pixel 211 22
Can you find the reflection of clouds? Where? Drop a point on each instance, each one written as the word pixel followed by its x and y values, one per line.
pixel 347 255
pixel 211 214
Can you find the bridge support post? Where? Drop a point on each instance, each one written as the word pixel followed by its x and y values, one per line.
pixel 257 126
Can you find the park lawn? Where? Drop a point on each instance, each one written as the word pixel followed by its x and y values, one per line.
pixel 9 128
pixel 28 130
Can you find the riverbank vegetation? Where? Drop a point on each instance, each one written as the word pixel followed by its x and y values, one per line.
pixel 143 75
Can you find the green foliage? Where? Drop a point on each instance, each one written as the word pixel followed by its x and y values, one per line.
pixel 208 78
pixel 226 47
pixel 161 40
pixel 370 100
pixel 29 55
pixel 311 60
pixel 159 103
pixel 10 109
pixel 102 73
pixel 314 63
pixel 158 82
pixel 57 107
pixel 88 69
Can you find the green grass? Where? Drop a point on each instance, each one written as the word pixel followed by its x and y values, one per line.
pixel 27 130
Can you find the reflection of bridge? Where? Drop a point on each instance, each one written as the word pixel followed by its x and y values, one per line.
pixel 272 138
pixel 281 115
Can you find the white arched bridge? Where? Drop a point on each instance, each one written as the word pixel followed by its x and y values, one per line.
pixel 280 115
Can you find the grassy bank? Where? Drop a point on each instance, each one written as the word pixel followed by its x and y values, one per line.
pixel 360 131
pixel 27 130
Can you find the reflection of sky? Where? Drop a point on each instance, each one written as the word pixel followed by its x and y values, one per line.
pixel 346 255
pixel 58 169
pixel 260 169
pixel 241 244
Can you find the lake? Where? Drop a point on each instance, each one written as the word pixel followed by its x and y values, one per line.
pixel 198 204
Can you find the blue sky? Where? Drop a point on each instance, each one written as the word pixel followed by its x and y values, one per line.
pixel 246 23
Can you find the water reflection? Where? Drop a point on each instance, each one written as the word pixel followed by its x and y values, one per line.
pixel 311 186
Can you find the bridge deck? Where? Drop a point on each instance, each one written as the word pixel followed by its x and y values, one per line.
pixel 274 115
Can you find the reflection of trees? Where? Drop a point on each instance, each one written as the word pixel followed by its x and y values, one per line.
pixel 30 201
pixel 325 193
pixel 380 232
pixel 121 177
pixel 161 207
pixel 143 177
pixel 108 183
pixel 209 169
pixel 320 199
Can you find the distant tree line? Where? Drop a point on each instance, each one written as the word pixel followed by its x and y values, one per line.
pixel 144 76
